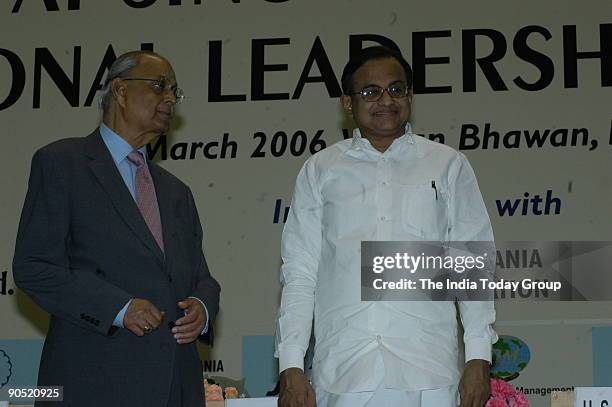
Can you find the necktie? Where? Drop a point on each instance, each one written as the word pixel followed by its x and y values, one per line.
pixel 146 199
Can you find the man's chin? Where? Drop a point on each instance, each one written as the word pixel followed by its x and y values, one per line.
pixel 390 131
pixel 163 121
pixel 164 127
pixel 386 123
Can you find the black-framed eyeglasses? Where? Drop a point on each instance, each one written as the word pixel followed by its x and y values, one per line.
pixel 374 93
pixel 160 85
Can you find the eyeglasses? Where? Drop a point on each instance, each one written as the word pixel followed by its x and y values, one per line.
pixel 374 93
pixel 160 85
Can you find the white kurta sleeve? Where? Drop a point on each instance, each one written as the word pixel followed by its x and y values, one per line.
pixel 300 252
pixel 469 221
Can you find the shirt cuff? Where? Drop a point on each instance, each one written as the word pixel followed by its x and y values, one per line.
pixel 478 348
pixel 119 318
pixel 206 311
pixel 290 357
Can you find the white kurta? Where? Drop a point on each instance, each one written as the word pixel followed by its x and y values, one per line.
pixel 349 193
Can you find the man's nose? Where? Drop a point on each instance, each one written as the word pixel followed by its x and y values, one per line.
pixel 385 98
pixel 169 96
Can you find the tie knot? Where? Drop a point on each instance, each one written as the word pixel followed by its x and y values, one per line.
pixel 136 158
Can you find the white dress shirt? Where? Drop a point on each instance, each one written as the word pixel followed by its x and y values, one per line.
pixel 351 192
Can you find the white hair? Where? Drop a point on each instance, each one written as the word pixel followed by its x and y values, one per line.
pixel 120 68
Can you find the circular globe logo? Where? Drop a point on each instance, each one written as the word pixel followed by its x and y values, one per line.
pixel 6 368
pixel 510 356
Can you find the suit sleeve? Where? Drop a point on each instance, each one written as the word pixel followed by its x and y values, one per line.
pixel 207 289
pixel 469 222
pixel 41 265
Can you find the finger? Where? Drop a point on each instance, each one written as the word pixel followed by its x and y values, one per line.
pixel 478 400
pixel 149 320
pixel 155 313
pixel 146 327
pixel 186 337
pixel 312 399
pixel 153 322
pixel 192 305
pixel 188 331
pixel 188 327
pixel 135 329
pixel 189 318
pixel 186 340
pixel 195 306
pixel 161 319
pixel 471 401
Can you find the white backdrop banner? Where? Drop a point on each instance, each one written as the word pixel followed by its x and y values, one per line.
pixel 523 89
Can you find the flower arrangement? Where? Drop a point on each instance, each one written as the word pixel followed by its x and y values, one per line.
pixel 212 392
pixel 230 393
pixel 503 394
pixel 215 392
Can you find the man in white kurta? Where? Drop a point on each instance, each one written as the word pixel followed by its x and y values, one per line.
pixel 384 184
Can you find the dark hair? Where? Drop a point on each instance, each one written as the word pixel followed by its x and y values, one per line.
pixel 368 54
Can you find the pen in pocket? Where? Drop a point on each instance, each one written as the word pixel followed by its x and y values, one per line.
pixel 433 185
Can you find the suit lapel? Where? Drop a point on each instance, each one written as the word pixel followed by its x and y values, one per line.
pixel 105 170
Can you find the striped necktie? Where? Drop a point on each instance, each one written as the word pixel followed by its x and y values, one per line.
pixel 146 199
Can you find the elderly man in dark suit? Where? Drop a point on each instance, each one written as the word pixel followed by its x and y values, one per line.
pixel 109 244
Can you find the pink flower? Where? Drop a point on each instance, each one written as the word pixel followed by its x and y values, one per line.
pixel 519 400
pixel 213 392
pixel 502 389
pixel 496 402
pixel 503 394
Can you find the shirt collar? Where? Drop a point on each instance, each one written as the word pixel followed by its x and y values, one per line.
pixel 360 142
pixel 117 146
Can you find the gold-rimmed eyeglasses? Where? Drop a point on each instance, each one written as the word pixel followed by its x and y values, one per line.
pixel 160 85
pixel 374 93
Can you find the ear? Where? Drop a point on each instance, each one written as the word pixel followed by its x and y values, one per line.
pixel 410 95
pixel 347 103
pixel 119 88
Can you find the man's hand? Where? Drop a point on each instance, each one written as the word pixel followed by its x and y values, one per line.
pixel 141 316
pixel 474 387
pixel 189 327
pixel 295 391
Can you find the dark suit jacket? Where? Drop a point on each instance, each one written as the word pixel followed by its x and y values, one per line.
pixel 83 250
